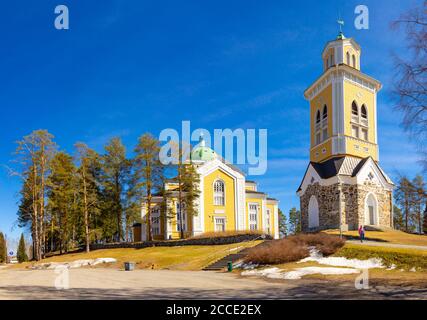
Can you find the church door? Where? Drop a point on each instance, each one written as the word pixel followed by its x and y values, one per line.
pixel 313 213
pixel 371 215
pixel 371 208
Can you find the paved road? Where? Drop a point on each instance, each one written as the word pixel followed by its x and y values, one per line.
pixel 164 284
pixel 387 244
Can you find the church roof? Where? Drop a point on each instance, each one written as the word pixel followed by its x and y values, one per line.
pixel 344 165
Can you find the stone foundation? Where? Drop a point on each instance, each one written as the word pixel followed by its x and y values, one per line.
pixel 352 206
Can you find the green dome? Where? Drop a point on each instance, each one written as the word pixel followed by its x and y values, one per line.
pixel 203 153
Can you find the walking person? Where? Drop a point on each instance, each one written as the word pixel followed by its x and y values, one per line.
pixel 361 233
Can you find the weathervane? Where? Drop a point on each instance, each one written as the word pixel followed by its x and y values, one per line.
pixel 340 22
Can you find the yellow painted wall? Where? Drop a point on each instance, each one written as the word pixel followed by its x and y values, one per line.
pixel 317 103
pixel 353 92
pixel 209 207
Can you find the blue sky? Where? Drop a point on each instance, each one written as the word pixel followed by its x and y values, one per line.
pixel 128 67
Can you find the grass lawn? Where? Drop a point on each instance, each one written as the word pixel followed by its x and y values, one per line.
pixel 403 259
pixel 174 258
pixel 400 257
pixel 391 236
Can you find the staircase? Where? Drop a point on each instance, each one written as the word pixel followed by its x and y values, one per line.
pixel 234 257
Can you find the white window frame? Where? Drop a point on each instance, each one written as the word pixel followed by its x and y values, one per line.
pixel 155 221
pixel 253 224
pixel 184 220
pixel 220 222
pixel 268 220
pixel 219 195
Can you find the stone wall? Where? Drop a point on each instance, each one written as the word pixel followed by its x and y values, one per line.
pixel 209 241
pixel 353 205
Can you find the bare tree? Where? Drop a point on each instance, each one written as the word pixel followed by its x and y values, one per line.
pixel 410 83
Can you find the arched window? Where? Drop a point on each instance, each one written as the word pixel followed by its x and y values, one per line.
pixel 354 61
pixel 219 193
pixel 325 123
pixel 364 112
pixel 354 109
pixel 318 116
pixel 348 58
pixel 325 112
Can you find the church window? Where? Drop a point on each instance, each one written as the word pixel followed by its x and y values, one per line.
pixel 354 109
pixel 219 193
pixel 325 112
pixel 318 117
pixel 317 138
pixel 348 58
pixel 325 133
pixel 364 115
pixel 267 221
pixel 354 61
pixel 365 134
pixel 355 131
pixel 253 217
pixel 363 112
pixel 180 221
pixel 219 224
pixel 155 221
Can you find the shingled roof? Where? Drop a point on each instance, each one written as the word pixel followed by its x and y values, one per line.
pixel 347 166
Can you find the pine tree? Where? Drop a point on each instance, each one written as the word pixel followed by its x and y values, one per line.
pixel 3 249
pixel 21 255
pixel 419 200
pixel 116 169
pixel 295 221
pixel 398 218
pixel 34 154
pixel 189 192
pixel 148 176
pixel 283 224
pixel 61 195
pixel 88 175
pixel 404 197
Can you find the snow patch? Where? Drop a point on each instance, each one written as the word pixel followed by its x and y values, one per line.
pixel 316 256
pixel 300 272
pixel 276 273
pixel 73 264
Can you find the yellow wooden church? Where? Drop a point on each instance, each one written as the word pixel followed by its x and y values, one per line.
pixel 227 202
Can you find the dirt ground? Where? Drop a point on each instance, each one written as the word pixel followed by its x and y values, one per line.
pixel 100 283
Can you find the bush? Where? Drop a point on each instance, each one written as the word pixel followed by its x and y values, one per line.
pixel 293 248
pixel 326 244
pixel 280 251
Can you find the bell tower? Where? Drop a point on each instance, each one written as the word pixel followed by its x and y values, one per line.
pixel 344 186
pixel 343 105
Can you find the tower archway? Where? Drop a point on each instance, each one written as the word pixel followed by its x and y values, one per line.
pixel 371 210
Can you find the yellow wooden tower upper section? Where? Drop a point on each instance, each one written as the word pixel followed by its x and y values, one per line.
pixel 343 105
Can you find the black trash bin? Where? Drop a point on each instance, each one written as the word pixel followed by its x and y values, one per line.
pixel 129 266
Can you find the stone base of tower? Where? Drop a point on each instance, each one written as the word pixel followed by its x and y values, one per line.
pixel 354 206
pixel 363 188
